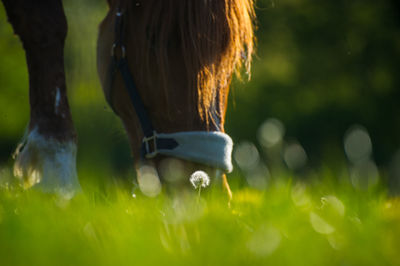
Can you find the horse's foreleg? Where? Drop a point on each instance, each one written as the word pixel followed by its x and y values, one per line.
pixel 47 156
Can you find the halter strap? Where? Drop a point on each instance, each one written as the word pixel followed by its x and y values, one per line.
pixel 151 143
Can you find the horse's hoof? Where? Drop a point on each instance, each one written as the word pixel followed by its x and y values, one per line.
pixel 47 164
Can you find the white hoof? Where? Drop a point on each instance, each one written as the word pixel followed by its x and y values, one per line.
pixel 47 164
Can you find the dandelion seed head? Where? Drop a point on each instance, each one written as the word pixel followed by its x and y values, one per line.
pixel 199 179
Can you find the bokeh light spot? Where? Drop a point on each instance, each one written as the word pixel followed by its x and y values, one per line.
pixel 294 156
pixel 320 225
pixel 271 132
pixel 149 182
pixel 259 177
pixel 246 155
pixel 171 170
pixel 299 196
pixel 357 144
pixel 364 175
pixel 394 179
pixel 264 241
pixel 334 204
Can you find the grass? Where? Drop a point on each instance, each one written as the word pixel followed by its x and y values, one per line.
pixel 289 223
pixel 328 222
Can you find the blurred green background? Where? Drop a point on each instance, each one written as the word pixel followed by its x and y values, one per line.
pixel 325 71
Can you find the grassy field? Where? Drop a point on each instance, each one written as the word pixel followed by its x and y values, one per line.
pixel 289 223
pixel 316 217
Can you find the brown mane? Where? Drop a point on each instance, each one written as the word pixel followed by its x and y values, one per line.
pixel 213 39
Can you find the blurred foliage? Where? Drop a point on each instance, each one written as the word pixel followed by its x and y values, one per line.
pixel 321 67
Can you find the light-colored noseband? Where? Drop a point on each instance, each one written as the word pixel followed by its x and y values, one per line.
pixel 209 148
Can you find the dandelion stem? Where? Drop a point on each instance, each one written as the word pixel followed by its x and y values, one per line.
pixel 198 195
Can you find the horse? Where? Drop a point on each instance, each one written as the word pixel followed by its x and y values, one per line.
pixel 165 68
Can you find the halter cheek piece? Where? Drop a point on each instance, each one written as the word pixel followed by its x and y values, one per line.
pixel 209 148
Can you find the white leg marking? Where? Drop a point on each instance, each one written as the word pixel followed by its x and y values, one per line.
pixel 47 164
pixel 57 101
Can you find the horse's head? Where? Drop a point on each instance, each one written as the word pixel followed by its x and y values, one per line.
pixel 181 55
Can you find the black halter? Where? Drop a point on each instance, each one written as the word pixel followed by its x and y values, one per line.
pixel 151 142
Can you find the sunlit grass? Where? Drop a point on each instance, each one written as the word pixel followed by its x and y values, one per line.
pixel 289 223
pixel 340 218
